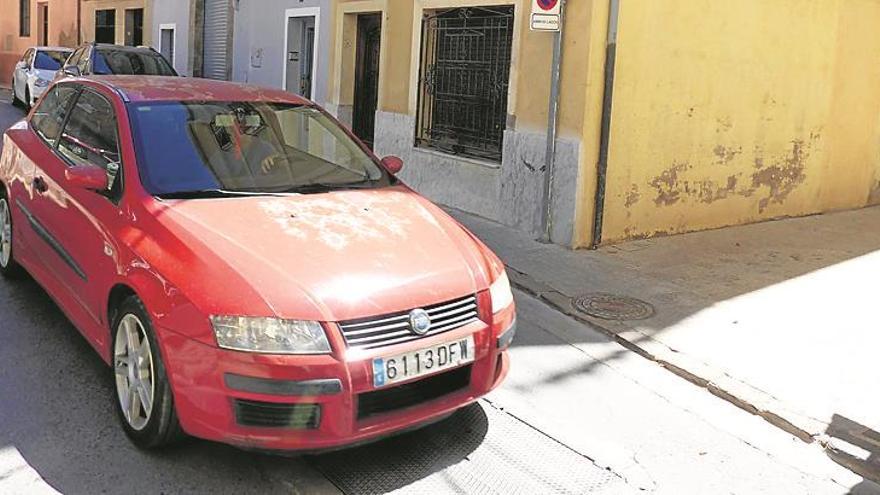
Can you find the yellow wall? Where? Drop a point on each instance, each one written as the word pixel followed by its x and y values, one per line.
pixel 732 112
pixel 529 89
pixel 88 18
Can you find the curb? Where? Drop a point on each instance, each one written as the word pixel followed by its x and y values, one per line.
pixel 718 384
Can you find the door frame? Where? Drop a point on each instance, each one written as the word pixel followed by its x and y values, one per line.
pixel 43 23
pixel 302 12
pixel 173 27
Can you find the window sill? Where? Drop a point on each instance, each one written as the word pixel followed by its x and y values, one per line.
pixel 458 158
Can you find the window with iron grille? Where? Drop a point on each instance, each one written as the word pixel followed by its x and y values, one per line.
pixel 463 81
pixel 24 18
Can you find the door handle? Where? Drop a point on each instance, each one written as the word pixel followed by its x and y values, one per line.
pixel 40 185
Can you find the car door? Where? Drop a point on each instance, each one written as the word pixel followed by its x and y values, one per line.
pixel 46 124
pixel 19 75
pixel 81 221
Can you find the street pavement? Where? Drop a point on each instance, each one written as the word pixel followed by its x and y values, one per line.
pixel 578 414
pixel 776 317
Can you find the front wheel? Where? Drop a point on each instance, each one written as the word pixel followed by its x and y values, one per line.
pixel 27 99
pixel 143 394
pixel 8 267
pixel 15 100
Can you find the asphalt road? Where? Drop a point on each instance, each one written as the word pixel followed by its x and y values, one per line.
pixel 578 414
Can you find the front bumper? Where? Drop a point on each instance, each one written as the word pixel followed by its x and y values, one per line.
pixel 209 384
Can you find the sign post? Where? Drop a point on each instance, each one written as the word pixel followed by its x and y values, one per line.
pixel 547 16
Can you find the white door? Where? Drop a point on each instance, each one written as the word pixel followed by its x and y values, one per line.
pixel 300 55
pixel 216 47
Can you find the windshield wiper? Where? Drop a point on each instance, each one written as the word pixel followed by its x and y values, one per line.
pixel 211 193
pixel 319 187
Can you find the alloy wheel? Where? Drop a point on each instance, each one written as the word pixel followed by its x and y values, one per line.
pixel 5 233
pixel 135 374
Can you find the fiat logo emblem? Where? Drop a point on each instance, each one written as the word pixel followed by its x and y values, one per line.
pixel 419 321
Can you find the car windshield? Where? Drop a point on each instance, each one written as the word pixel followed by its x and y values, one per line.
pixel 193 149
pixel 50 60
pixel 131 62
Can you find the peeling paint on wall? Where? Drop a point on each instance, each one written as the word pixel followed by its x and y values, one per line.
pixel 667 186
pixel 779 179
pixel 726 154
pixel 783 176
pixel 633 196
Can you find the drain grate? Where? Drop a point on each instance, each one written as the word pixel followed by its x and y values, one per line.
pixel 478 450
pixel 613 307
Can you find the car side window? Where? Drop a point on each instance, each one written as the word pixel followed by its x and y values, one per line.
pixel 83 62
pixel 28 57
pixel 50 113
pixel 74 59
pixel 90 136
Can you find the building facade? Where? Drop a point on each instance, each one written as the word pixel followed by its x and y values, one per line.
pixel 120 22
pixel 283 44
pixel 27 23
pixel 675 116
pixel 171 30
pixel 274 43
pixel 459 89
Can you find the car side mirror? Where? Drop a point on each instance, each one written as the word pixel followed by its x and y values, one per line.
pixel 20 65
pixel 88 177
pixel 392 164
pixel 72 71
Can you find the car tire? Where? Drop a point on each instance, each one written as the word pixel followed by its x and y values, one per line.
pixel 27 98
pixel 138 372
pixel 9 268
pixel 15 101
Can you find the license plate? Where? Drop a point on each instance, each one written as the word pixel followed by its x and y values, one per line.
pixel 427 361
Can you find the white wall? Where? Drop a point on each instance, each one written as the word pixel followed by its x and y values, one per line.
pixel 174 12
pixel 259 33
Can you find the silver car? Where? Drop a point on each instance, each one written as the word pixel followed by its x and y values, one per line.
pixel 35 71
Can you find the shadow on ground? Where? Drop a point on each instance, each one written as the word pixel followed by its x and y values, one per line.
pixel 864 460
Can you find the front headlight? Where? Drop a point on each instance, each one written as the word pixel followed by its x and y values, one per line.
pixel 500 293
pixel 41 83
pixel 270 335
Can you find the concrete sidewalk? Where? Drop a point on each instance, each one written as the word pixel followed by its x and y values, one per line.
pixel 776 317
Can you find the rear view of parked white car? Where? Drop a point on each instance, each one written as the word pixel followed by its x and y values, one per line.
pixel 34 72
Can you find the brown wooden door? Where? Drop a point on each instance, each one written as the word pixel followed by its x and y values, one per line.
pixel 366 88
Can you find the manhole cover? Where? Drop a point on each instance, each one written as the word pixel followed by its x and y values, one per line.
pixel 613 307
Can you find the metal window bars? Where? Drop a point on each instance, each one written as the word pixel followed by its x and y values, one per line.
pixel 464 80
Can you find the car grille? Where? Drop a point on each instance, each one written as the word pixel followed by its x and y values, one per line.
pixel 413 393
pixel 370 333
pixel 275 415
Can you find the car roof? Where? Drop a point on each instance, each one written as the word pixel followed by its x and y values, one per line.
pixel 167 88
pixel 122 48
pixel 52 48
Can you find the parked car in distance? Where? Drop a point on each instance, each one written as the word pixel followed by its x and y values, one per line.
pixel 35 71
pixel 250 271
pixel 103 59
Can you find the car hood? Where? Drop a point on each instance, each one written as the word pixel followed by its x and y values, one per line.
pixel 330 257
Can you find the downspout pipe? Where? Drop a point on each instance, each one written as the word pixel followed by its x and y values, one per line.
pixel 78 22
pixel 605 128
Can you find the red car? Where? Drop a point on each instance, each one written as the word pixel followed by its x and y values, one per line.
pixel 252 273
